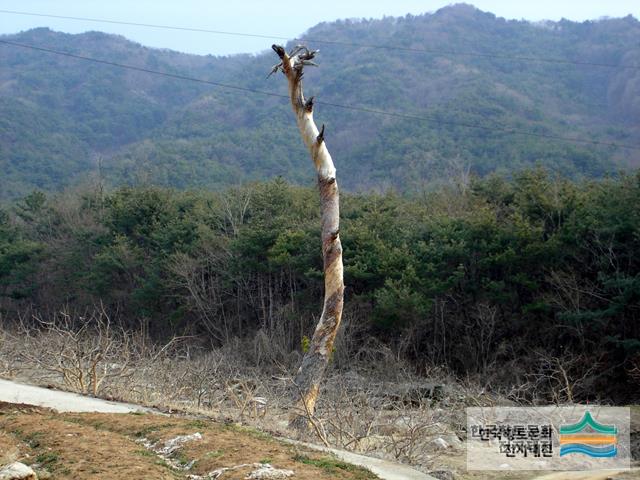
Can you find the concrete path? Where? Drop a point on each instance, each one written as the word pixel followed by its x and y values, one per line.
pixel 12 392
pixel 382 468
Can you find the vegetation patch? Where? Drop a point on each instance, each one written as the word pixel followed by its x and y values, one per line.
pixel 333 466
pixel 72 446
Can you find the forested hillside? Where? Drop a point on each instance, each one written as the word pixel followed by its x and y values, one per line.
pixel 62 119
pixel 530 287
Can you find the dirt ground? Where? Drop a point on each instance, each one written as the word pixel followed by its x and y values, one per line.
pixel 111 446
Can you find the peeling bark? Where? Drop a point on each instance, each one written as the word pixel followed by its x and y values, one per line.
pixel 316 359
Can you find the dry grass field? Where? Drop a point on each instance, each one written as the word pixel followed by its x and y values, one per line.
pixel 124 446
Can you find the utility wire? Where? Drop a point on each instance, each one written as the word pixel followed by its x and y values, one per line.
pixel 141 69
pixel 431 119
pixel 337 42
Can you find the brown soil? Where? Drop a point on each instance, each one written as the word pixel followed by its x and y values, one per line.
pixel 8 449
pixel 107 446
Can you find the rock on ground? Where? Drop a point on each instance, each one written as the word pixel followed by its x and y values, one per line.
pixel 440 443
pixel 267 472
pixel 17 471
pixel 442 474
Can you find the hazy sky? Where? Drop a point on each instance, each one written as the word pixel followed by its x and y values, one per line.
pixel 286 18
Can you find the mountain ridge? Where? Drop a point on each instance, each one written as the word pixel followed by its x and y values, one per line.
pixel 163 131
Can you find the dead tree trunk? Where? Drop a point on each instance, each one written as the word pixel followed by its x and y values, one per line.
pixel 316 359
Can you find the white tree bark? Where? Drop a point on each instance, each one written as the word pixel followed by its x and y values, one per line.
pixel 316 359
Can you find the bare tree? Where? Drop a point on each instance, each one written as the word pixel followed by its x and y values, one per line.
pixel 316 359
pixel 83 351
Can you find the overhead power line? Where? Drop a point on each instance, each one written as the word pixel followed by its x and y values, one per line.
pixel 431 119
pixel 141 69
pixel 520 58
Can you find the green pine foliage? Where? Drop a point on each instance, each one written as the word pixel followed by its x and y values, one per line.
pixel 486 278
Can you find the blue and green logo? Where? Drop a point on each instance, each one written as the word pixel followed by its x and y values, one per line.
pixel 589 438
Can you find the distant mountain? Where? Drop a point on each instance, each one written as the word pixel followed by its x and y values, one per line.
pixel 62 119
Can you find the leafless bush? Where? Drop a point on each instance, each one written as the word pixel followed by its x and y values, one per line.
pixel 205 283
pixel 381 417
pixel 372 357
pixel 634 369
pixel 349 410
pixel 563 378
pixel 90 355
pixel 378 407
pixel 270 348
pixel 157 376
pixel 85 351
pixel 186 376
pixel 8 354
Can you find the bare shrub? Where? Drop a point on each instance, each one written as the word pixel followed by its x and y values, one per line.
pixel 563 378
pixel 381 417
pixel 378 407
pixel 84 351
pixel 206 285
pixel 634 369
pixel 9 365
pixel 156 375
